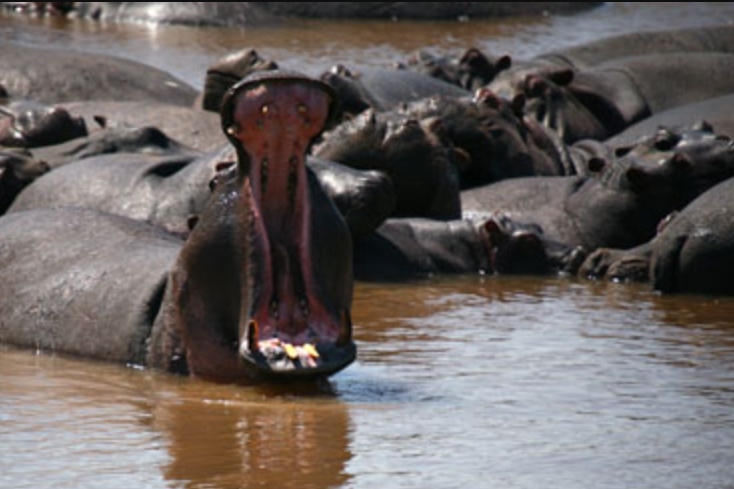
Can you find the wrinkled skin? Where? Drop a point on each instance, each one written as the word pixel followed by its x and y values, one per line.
pixel 260 290
pixel 695 251
pixel 25 124
pixel 25 72
pixel 384 89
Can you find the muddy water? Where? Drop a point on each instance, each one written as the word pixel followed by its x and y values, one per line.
pixel 471 382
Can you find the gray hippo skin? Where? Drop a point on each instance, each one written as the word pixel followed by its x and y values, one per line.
pixel 695 251
pixel 25 72
pixel 242 14
pixel 262 288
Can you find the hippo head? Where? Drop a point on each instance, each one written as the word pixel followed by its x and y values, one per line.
pixel 223 74
pixel 25 124
pixel 703 158
pixel 553 100
pixel 471 71
pixel 263 286
pixel 353 96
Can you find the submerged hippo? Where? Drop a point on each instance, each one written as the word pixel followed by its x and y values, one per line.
pixel 261 289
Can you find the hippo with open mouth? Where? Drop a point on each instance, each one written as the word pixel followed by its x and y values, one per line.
pixel 261 289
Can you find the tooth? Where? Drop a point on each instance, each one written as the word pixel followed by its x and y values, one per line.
pixel 233 130
pixel 265 109
pixel 252 343
pixel 345 329
pixel 311 350
pixel 291 351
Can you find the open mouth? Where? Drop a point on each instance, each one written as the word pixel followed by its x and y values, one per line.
pixel 291 328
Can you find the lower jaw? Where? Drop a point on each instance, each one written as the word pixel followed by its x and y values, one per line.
pixel 331 361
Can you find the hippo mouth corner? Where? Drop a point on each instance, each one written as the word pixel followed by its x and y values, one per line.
pixel 294 328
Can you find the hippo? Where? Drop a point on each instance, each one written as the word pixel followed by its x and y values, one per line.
pixel 261 290
pixel 245 14
pixel 412 248
pixel 25 72
pixel 434 146
pixel 384 89
pixel 619 209
pixel 26 124
pixel 600 102
pixel 425 180
pixel 695 252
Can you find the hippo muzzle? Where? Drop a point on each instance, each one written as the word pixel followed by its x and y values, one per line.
pixel 296 322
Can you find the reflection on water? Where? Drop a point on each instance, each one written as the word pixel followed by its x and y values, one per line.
pixel 474 382
pixel 465 382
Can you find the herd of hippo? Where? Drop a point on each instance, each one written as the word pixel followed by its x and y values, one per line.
pixel 219 234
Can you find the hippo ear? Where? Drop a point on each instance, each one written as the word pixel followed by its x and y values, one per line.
pixel 497 237
pixel 503 63
pixel 535 86
pixel 703 126
pixel 597 165
pixel 562 77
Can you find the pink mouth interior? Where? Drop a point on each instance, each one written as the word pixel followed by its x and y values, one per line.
pixel 275 123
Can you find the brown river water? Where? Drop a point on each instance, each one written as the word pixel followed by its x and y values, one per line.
pixel 460 382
